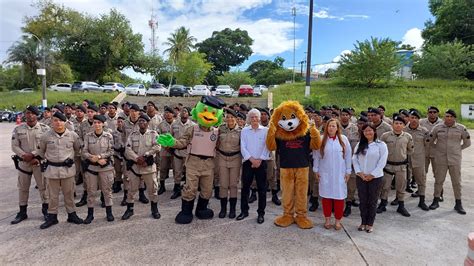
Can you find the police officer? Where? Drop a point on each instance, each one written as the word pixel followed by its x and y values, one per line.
pixel 76 121
pixel 97 153
pixel 119 150
pixel 46 116
pixel 241 119
pixel 58 147
pixel 375 118
pixel 420 137
pixel 112 116
pixel 383 116
pixel 139 153
pixel 400 146
pixel 429 123
pixel 178 127
pixel 450 139
pixel 351 131
pixel 152 112
pixel 229 161
pixel 166 157
pixel 25 139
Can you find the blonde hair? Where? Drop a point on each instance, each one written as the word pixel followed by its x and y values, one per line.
pixel 338 135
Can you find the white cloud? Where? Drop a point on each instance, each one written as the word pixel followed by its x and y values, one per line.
pixel 302 8
pixel 338 58
pixel 413 38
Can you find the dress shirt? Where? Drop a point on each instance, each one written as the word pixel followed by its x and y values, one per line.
pixel 252 143
pixel 373 161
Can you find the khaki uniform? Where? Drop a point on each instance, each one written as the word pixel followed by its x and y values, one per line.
pixel 25 139
pixel 46 121
pixel 59 149
pixel 416 161
pixel 155 121
pixel 112 122
pixel 430 150
pixel 449 143
pixel 351 131
pixel 387 120
pixel 382 128
pixel 177 130
pixel 399 148
pixel 77 158
pixel 119 150
pixel 95 174
pixel 229 160
pixel 200 161
pixel 166 156
pixel 139 144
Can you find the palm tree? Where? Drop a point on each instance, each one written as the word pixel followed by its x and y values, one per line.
pixel 180 42
pixel 25 52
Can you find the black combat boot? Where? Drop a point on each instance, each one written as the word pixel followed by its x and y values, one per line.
pixel 52 220
pixel 129 212
pixel 233 203
pixel 83 200
pixel 73 218
pixel 422 204
pixel 176 191
pixel 275 198
pixel 354 203
pixel 314 204
pixel 20 216
pixel 102 200
pixel 435 204
pixel 154 210
pixel 347 210
pixel 416 194
pixel 124 200
pixel 458 207
pixel 253 196
pixel 108 212
pixel 216 192
pixel 401 209
pixel 223 211
pixel 382 206
pixel 141 196
pixel 185 216
pixel 90 216
pixel 162 187
pixel 44 210
pixel 117 187
pixel 202 212
pixel 394 202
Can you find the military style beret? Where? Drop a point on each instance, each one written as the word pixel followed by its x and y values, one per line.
pixel 81 108
pixel 213 101
pixel 345 110
pixel 61 116
pixel 33 109
pixel 373 110
pixel 231 112
pixel 93 107
pixel 168 109
pixel 433 108
pixel 60 107
pixel 397 117
pixel 145 117
pixel 451 112
pixel 134 106
pixel 363 119
pixel 152 103
pixel 241 115
pixel 101 118
pixel 415 113
pixel 382 107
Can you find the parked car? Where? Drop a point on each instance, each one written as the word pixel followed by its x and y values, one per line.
pixel 200 90
pixel 157 89
pixel 179 90
pixel 261 87
pixel 60 87
pixel 86 86
pixel 245 90
pixel 257 91
pixel 113 87
pixel 26 90
pixel 224 90
pixel 135 89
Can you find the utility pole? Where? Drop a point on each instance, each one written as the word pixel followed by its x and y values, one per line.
pixel 293 13
pixel 307 90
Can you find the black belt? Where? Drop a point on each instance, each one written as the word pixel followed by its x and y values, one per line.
pixel 16 160
pixel 92 172
pixel 388 172
pixel 177 156
pixel 202 157
pixel 228 154
pixel 67 163
pixel 398 163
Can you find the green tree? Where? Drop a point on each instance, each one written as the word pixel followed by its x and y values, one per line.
pixel 370 62
pixel 235 79
pixel 225 49
pixel 447 61
pixel 59 73
pixel 11 78
pixel 180 42
pixel 259 66
pixel 453 20
pixel 192 68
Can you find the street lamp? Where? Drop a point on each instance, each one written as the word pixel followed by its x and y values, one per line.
pixel 42 71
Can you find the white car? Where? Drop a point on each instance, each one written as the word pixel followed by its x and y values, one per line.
pixel 224 90
pixel 135 89
pixel 200 90
pixel 158 89
pixel 60 87
pixel 261 87
pixel 257 91
pixel 113 87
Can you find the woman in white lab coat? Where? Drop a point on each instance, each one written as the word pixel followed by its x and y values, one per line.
pixel 332 166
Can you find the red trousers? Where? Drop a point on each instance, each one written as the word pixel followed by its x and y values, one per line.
pixel 328 205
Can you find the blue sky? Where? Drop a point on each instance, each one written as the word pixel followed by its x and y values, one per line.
pixel 337 23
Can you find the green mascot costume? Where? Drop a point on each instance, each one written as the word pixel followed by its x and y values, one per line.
pixel 200 140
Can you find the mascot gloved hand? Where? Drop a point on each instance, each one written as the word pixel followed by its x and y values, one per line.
pixel 293 138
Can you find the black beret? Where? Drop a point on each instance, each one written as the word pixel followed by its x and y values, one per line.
pixel 415 113
pixel 373 110
pixel 345 110
pixel 59 107
pixel 265 110
pixel 433 108
pixel 309 108
pixel 33 109
pixel 241 115
pixel 324 107
pixel 243 107
pixel 168 109
pixel 382 107
pixel 152 103
pixel 113 105
pixel 125 103
pixel 317 112
pixel 47 109
pixel 363 119
pixel 70 105
pixel 326 118
pixel 61 116
pixel 213 101
pixel 231 112
pixel 451 112
pixel 335 113
pixel 363 113
pixel 101 118
pixel 404 112
pixel 82 108
pixel 134 106
pixel 145 117
pixel 335 107
pixel 187 109
pixel 93 107
pixel 397 117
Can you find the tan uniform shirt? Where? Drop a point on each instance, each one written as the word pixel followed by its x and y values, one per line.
pixel 155 122
pixel 382 128
pixel 112 122
pixel 399 147
pixel 387 120
pixel 229 142
pixel 25 139
pixel 77 125
pixel 46 121
pixel 177 130
pixel 139 144
pixel 119 142
pixel 130 127
pixel 98 145
pixel 164 127
pixel 449 143
pixel 430 151
pixel 421 141
pixel 57 148
pixel 352 134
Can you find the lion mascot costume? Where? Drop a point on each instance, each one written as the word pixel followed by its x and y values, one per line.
pixel 293 138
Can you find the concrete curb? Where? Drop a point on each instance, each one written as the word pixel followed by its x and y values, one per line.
pixel 119 98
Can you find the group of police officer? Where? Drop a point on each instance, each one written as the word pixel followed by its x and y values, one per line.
pixel 106 148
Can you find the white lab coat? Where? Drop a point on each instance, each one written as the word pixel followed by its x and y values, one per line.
pixel 332 168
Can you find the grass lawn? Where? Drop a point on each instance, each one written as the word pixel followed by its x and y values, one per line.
pixel 417 94
pixel 21 100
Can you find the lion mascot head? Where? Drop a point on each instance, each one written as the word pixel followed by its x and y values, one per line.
pixel 290 121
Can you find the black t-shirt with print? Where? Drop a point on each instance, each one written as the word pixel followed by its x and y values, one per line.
pixel 294 153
